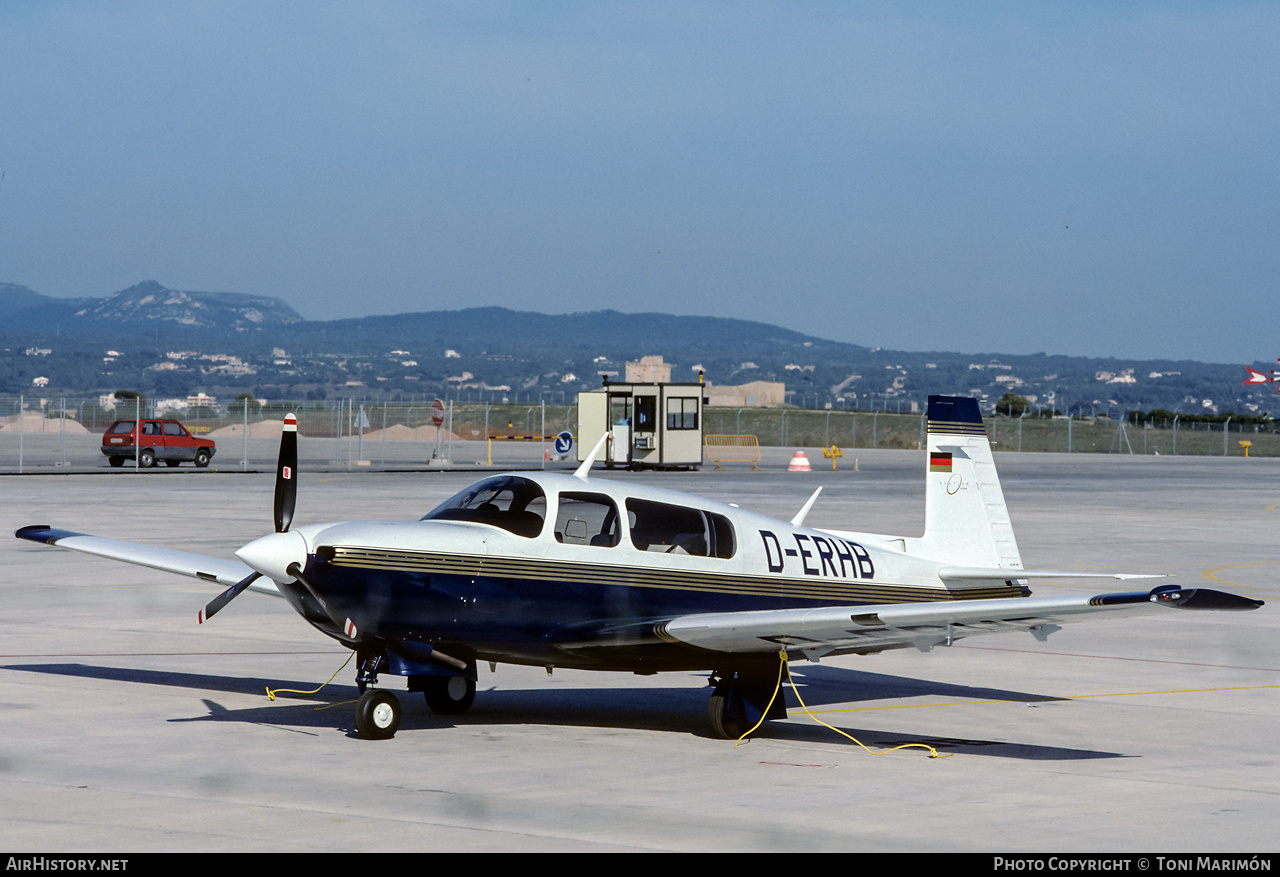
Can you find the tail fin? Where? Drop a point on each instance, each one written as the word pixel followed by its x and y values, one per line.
pixel 966 522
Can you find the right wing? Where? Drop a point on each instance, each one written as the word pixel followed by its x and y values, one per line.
pixel 871 628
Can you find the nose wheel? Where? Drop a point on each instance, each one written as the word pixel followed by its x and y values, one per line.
pixel 377 714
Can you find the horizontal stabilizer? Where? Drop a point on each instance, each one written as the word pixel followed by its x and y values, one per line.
pixel 971 574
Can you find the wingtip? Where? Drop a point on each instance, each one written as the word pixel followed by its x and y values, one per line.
pixel 41 533
pixel 1205 598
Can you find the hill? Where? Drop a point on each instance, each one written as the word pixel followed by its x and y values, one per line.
pixel 174 343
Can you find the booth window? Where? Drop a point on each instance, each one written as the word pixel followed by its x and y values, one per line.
pixel 646 413
pixel 682 413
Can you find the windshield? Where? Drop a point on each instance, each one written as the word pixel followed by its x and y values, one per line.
pixel 515 504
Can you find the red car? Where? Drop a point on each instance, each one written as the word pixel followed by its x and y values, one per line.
pixel 162 440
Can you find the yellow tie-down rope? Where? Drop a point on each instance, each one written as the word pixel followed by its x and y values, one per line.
pixel 271 692
pixel 783 669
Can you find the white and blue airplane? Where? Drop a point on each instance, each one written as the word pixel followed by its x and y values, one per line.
pixel 571 571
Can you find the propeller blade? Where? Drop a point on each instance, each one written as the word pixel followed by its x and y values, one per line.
pixel 226 597
pixel 286 474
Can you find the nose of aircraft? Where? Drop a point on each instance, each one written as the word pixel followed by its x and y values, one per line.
pixel 272 554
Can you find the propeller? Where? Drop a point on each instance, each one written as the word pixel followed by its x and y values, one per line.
pixel 286 469
pixel 285 497
pixel 226 597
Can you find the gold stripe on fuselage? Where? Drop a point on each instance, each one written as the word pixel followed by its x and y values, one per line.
pixel 826 591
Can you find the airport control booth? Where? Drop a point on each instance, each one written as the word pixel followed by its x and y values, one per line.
pixel 656 426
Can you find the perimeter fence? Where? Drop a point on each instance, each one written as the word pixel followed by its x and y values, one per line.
pixel 373 424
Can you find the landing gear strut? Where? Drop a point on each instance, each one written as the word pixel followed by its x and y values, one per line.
pixel 377 710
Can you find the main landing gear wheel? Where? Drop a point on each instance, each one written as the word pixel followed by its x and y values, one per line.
pixel 723 725
pixel 377 715
pixel 449 695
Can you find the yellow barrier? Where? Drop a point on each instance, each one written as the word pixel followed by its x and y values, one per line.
pixel 732 449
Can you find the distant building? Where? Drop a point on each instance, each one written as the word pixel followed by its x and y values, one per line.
pixel 757 394
pixel 164 406
pixel 649 370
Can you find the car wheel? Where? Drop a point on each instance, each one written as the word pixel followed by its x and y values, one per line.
pixel 116 462
pixel 202 458
pixel 146 459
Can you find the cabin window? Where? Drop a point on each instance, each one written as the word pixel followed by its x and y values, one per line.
pixel 673 529
pixel 682 413
pixel 515 504
pixel 586 519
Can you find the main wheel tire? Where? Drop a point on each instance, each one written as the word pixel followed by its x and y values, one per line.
pixel 116 462
pixel 146 459
pixel 202 458
pixel 377 715
pixel 723 726
pixel 449 695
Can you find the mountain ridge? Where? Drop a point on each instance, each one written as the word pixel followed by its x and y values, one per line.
pixel 160 340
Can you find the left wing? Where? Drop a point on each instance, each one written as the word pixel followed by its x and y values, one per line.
pixel 872 628
pixel 199 566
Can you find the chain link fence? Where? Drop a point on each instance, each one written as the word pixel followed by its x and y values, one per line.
pixel 391 432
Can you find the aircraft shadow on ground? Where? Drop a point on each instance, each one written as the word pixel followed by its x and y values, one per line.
pixel 673 709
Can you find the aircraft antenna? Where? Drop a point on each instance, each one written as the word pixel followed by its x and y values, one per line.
pixel 800 515
pixel 585 469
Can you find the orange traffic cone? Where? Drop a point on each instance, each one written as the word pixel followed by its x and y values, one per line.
pixel 799 463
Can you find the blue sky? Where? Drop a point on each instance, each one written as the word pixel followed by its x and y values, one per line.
pixel 1071 177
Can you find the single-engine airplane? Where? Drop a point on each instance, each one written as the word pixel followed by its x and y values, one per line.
pixel 570 571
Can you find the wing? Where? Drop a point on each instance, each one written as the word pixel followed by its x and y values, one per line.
pixel 199 566
pixel 873 628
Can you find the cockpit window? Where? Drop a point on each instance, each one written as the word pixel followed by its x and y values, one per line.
pixel 586 519
pixel 672 529
pixel 515 504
